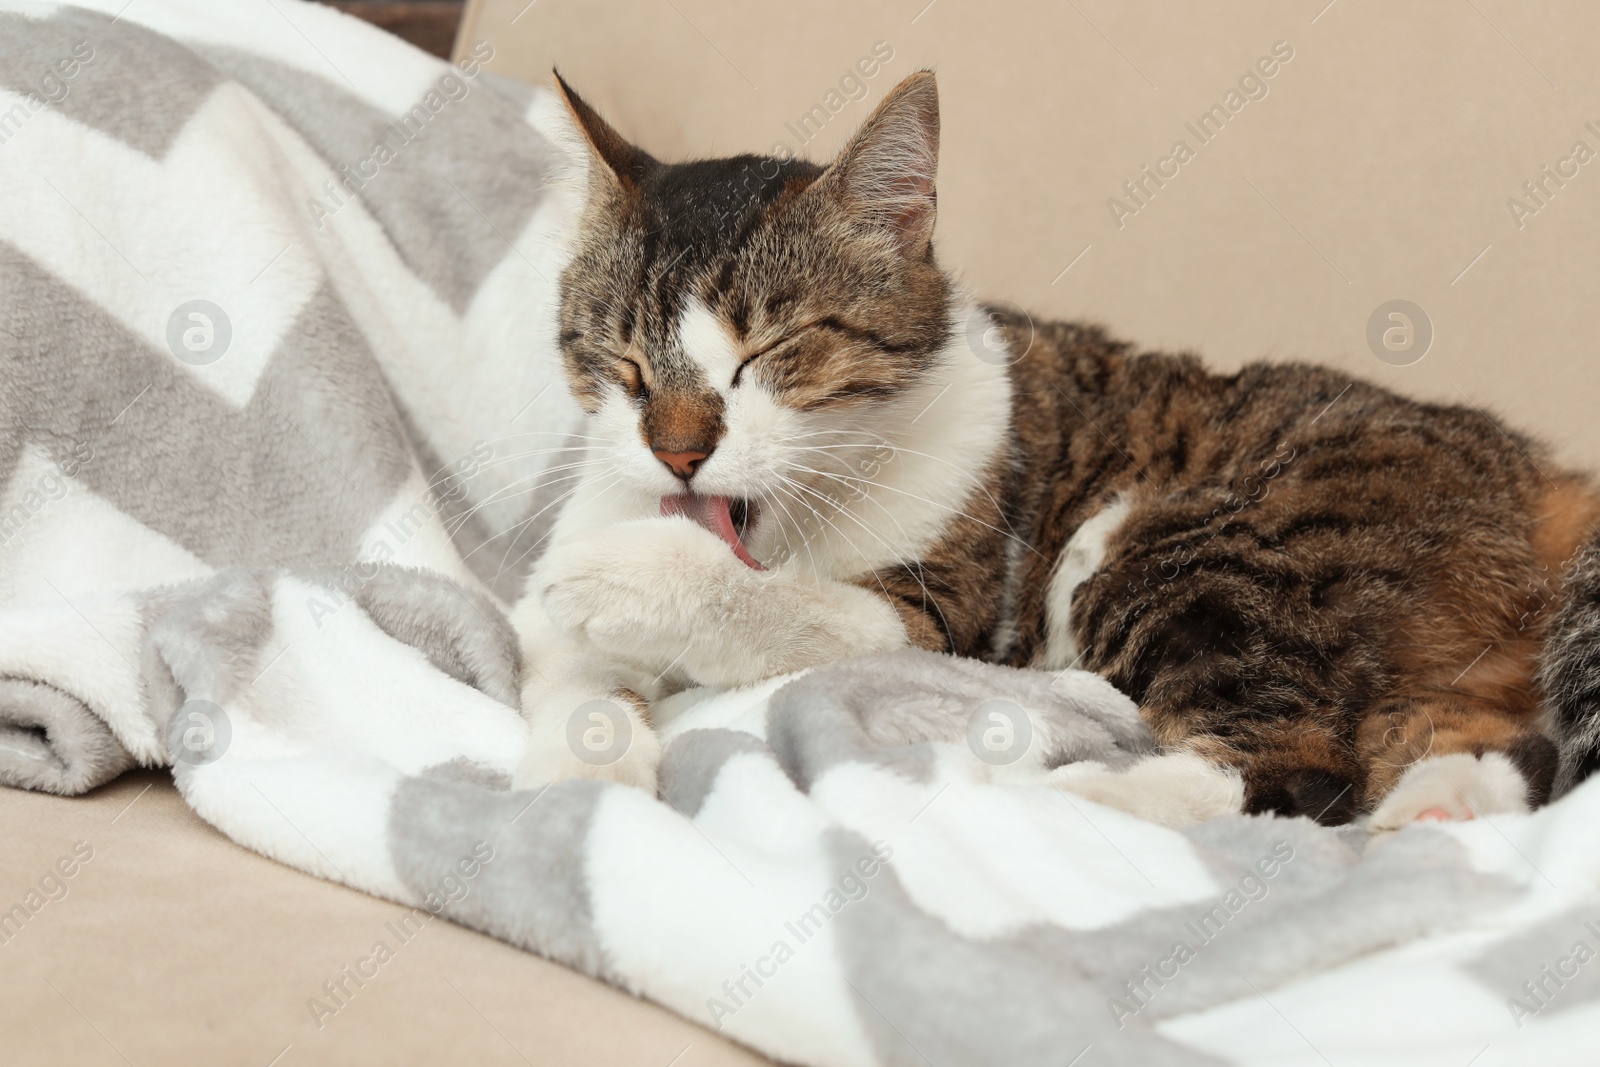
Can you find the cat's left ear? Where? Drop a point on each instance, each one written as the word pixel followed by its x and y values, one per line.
pixel 886 172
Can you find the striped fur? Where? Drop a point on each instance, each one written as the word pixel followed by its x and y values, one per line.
pixel 1309 579
pixel 1570 672
pixel 1318 582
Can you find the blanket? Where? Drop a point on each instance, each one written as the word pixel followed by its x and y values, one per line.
pixel 282 429
pixel 281 295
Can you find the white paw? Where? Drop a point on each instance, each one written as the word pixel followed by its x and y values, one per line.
pixel 1175 789
pixel 1449 788
pixel 642 590
pixel 586 735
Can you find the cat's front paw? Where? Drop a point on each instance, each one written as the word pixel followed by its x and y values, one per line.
pixel 643 590
pixel 587 736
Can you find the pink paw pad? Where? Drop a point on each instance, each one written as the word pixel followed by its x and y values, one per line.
pixel 1440 815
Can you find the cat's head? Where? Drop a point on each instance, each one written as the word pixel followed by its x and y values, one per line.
pixel 739 328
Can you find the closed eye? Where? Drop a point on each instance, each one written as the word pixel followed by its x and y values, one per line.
pixel 633 378
pixel 829 324
pixel 752 357
pixel 738 371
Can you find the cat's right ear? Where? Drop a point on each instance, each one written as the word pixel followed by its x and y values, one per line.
pixel 615 156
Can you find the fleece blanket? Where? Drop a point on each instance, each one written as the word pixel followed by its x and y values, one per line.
pixel 281 430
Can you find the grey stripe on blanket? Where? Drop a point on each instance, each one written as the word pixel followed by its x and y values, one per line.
pixel 291 443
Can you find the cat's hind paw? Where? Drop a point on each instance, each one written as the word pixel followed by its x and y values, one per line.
pixel 1174 789
pixel 1453 788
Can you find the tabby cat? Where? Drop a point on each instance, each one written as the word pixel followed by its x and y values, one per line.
pixel 808 443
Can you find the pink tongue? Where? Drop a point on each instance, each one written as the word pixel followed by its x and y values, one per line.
pixel 712 513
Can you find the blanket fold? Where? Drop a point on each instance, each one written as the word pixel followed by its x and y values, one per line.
pixel 52 741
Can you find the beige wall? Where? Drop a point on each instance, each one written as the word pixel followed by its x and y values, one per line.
pixel 1378 166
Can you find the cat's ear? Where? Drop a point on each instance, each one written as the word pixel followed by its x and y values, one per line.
pixel 886 171
pixel 613 152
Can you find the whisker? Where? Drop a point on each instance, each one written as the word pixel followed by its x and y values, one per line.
pixel 798 528
pixel 454 525
pixel 954 511
pixel 534 477
pixel 898 559
pixel 925 455
pixel 864 558
pixel 913 566
pixel 545 433
pixel 513 531
pixel 616 479
pixel 529 455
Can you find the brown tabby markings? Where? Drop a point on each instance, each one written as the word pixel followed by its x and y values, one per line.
pixel 826 315
pixel 1364 578
pixel 637 702
pixel 949 599
pixel 1384 597
pixel 1317 582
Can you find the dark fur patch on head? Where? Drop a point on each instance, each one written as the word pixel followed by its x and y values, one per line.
pixel 703 208
pixel 822 277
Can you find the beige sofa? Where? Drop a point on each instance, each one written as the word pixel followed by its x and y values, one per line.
pixel 172 945
pixel 1377 166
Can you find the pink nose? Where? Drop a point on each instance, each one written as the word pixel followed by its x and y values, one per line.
pixel 682 464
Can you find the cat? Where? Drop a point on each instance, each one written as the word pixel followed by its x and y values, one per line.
pixel 807 442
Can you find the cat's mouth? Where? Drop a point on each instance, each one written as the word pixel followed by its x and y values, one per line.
pixel 730 518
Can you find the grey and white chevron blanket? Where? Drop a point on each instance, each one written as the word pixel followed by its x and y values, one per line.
pixel 280 428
